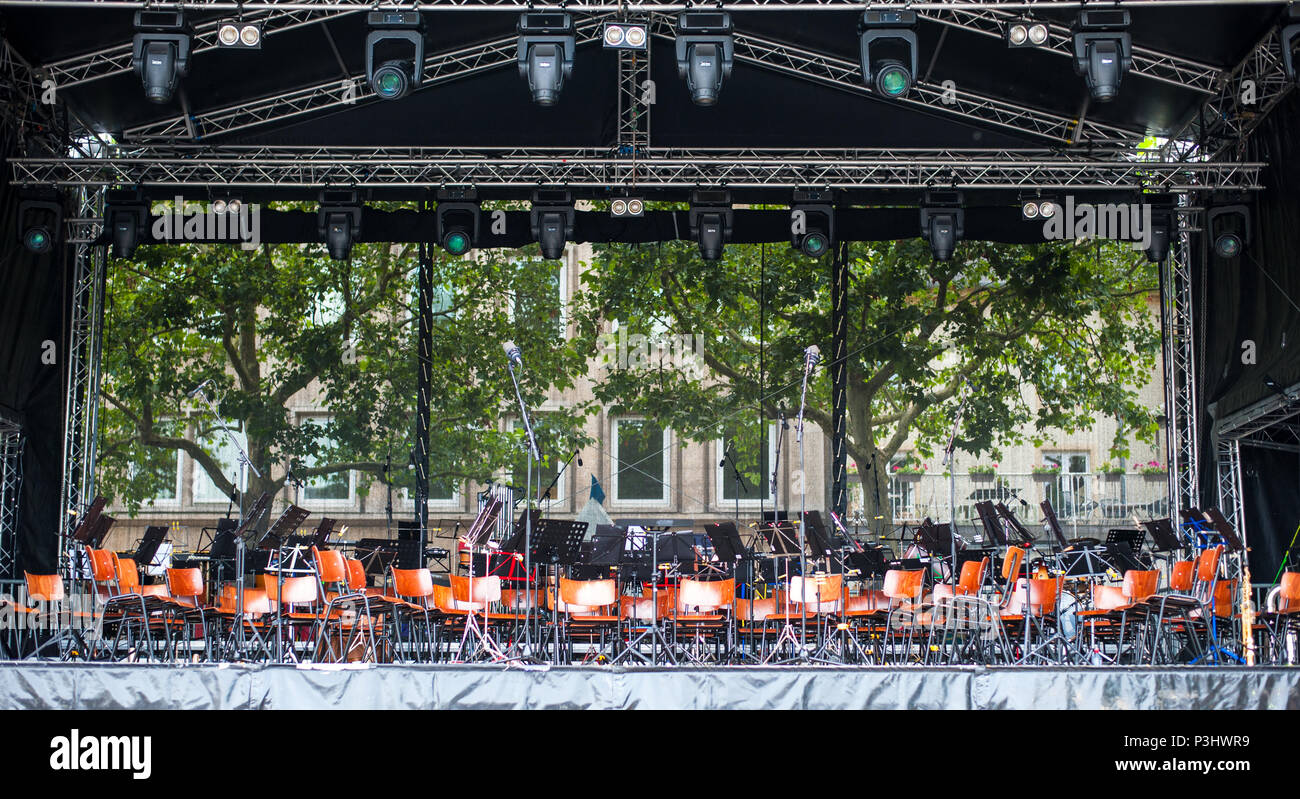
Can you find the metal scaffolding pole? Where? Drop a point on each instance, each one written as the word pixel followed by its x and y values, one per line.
pixel 1177 319
pixel 11 480
pixel 839 381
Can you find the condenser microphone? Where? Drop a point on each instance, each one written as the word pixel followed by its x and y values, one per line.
pixel 197 390
pixel 512 353
pixel 812 355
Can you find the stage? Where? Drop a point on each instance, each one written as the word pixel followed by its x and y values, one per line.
pixel 95 686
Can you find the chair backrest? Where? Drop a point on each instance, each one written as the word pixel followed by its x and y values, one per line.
pixel 477 591
pixel 101 565
pixel 185 583
pixel 1042 597
pixel 1180 577
pixel 1011 564
pixel 44 587
pixel 330 566
pixel 1224 592
pixel 1109 597
pixel 515 599
pixel 822 588
pixel 710 595
pixel 644 607
pixel 1207 565
pixel 356 574
pixel 295 591
pixel 867 600
pixel 1139 586
pixel 413 583
pixel 588 593
pixel 444 600
pixel 128 575
pixel 256 602
pixel 972 576
pixel 756 609
pixel 1289 595
pixel 900 584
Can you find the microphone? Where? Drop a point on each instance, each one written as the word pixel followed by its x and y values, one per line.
pixel 512 352
pixel 197 390
pixel 812 355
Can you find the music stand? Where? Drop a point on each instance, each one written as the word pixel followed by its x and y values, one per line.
pixel 936 540
pixel 726 541
pixel 278 533
pixel 868 562
pixel 98 531
pixel 814 533
pixel 1025 536
pixel 321 538
pixel 781 538
pixel 1123 535
pixel 1054 524
pixel 1122 558
pixel 990 523
pixel 154 535
pixel 255 514
pixel 1224 528
pixel 82 533
pixel 1163 536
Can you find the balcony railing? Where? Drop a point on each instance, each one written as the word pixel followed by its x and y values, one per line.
pixel 1082 500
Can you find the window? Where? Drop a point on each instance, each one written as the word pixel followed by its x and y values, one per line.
pixel 217 444
pixel 1068 492
pixel 336 487
pixel 442 494
pixel 902 488
pixel 165 464
pixel 752 451
pixel 549 467
pixel 640 461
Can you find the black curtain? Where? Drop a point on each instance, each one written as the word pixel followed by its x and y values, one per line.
pixel 34 297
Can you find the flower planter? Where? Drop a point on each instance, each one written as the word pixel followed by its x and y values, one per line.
pixel 982 477
pixel 1046 477
pixel 907 478
pixel 1111 476
pixel 1155 475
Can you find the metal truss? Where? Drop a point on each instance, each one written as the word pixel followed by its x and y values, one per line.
pixel 634 90
pixel 623 5
pixel 22 101
pixel 81 415
pixel 1177 319
pixel 1271 423
pixel 11 479
pixel 339 92
pixel 1224 123
pixel 181 166
pixel 117 59
pixel 1147 63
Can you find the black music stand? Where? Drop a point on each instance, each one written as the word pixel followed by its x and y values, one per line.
pixel 321 537
pixel 868 563
pixel 154 535
pixel 1163 536
pixel 936 540
pixel 992 527
pixel 1224 528
pixel 815 536
pixel 726 541
pixel 82 533
pixel 277 535
pixel 1122 557
pixel 1005 513
pixel 781 538
pixel 1129 537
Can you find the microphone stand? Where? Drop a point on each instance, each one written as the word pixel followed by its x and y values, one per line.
pixel 533 456
pixel 728 457
pixel 245 466
pixel 949 461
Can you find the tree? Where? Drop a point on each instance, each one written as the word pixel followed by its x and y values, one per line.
pixel 273 326
pixel 1049 337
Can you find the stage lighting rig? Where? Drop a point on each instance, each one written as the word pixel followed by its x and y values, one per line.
pixel 710 220
pixel 627 206
pixel 238 35
pixel 705 53
pixel 1103 50
pixel 458 220
pixel 126 218
pixel 1229 226
pixel 892 69
pixel 812 223
pixel 943 222
pixel 545 55
pixel 551 219
pixel 396 42
pixel 160 52
pixel 39 221
pixel 1026 33
pixel 624 36
pixel 338 221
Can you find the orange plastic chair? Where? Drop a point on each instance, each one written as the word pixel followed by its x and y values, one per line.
pixel 1180 578
pixel 968 583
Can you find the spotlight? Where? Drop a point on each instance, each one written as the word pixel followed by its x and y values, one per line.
pixel 1162 226
pixel 624 36
pixel 1039 209
pixel 1103 51
pixel 545 55
pixel 396 41
pixel 126 217
pixel 943 222
pixel 627 206
pixel 705 53
pixel 710 220
pixel 239 35
pixel 338 221
pixel 1026 33
pixel 226 204
pixel 160 52
pixel 458 220
pixel 39 221
pixel 892 33
pixel 1230 227
pixel 812 223
pixel 551 219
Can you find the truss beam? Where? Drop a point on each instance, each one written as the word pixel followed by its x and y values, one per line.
pixel 616 5
pixel 666 168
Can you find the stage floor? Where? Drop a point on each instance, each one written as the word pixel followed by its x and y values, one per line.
pixel 87 686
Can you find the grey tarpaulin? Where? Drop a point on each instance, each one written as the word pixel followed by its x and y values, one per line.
pixel 233 686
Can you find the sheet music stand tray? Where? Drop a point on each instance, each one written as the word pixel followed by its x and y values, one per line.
pixel 726 541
